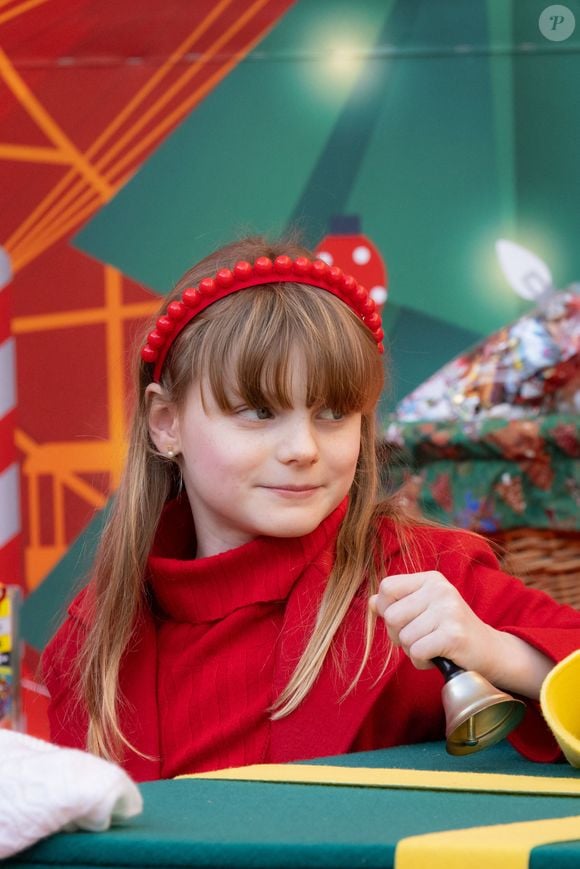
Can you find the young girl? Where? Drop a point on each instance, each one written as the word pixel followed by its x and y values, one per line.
pixel 227 621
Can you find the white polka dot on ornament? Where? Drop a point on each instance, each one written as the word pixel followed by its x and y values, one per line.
pixel 379 294
pixel 326 257
pixel 361 255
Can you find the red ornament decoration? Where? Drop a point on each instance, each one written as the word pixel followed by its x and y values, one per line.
pixel 345 246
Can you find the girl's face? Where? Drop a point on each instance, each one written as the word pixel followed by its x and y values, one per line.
pixel 262 471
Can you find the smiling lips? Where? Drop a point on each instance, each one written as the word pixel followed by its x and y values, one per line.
pixel 293 491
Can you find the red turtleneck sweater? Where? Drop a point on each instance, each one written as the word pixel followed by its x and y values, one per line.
pixel 219 621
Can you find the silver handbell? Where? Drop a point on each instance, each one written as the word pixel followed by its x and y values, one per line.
pixel 477 714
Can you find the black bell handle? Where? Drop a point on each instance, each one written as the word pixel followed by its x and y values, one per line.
pixel 447 668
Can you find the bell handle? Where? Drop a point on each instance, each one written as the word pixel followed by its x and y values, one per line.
pixel 447 668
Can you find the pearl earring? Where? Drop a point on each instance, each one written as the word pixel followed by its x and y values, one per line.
pixel 170 453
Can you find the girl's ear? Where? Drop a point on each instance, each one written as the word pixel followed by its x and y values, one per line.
pixel 163 420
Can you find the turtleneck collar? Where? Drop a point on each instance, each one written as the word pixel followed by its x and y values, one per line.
pixel 193 590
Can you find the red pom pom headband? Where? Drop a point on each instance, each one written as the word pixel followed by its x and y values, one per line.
pixel 302 270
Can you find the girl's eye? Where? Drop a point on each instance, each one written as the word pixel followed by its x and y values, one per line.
pixel 263 412
pixel 255 413
pixel 329 413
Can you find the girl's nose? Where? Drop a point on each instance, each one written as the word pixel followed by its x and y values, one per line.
pixel 298 443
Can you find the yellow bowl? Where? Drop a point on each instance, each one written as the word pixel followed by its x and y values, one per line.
pixel 560 702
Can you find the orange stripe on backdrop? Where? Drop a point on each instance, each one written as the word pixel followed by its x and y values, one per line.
pixel 199 93
pixel 25 251
pixel 58 511
pixel 64 458
pixel 18 10
pixel 40 209
pixel 49 126
pixel 61 462
pixel 186 46
pixel 85 205
pixel 20 259
pixel 43 242
pixel 108 132
pixel 192 71
pixel 28 154
pixel 115 379
pixel 91 454
pixel 82 317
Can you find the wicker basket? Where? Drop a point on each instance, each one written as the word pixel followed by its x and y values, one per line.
pixel 548 560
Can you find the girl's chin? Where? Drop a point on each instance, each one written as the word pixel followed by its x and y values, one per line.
pixel 291 529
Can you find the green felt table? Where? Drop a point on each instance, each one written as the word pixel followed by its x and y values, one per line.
pixel 206 823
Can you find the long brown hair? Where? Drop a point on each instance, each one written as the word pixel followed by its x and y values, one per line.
pixel 249 335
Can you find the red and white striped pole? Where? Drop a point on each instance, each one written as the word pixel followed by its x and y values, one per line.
pixel 11 546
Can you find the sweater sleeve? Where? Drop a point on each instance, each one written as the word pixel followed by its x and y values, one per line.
pixel 507 604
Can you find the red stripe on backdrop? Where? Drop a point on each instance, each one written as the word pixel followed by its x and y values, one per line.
pixel 11 561
pixel 5 305
pixel 8 452
pixel 34 695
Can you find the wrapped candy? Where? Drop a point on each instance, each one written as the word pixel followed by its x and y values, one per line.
pixel 528 368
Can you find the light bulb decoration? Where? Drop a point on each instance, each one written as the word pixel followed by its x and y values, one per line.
pixel 524 271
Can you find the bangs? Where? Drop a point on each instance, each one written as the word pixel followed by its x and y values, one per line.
pixel 248 343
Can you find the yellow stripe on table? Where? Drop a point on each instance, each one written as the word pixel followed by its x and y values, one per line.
pixel 505 845
pixel 411 779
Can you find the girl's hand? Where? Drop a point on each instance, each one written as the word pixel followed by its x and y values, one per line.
pixel 426 616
